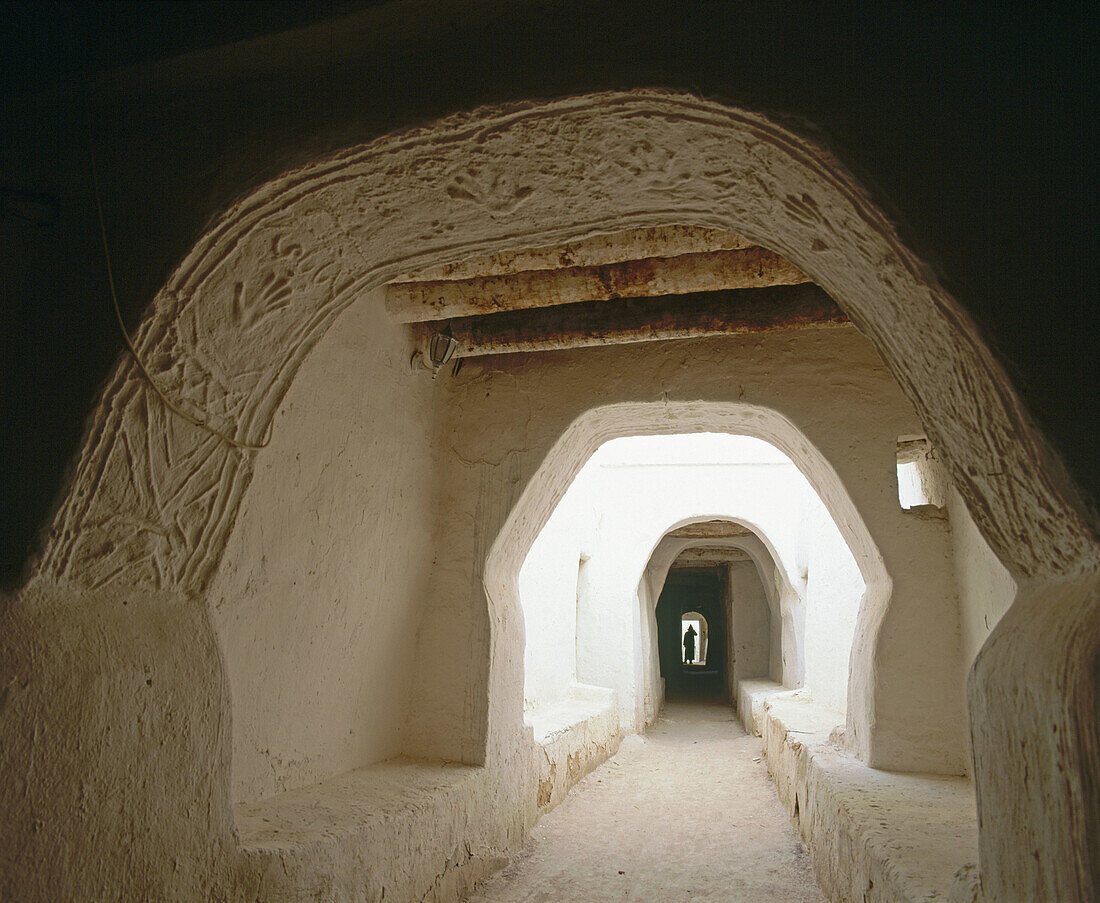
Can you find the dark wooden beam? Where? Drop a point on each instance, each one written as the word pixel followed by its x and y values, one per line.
pixel 646 320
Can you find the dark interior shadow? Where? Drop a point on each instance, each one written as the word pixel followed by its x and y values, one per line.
pixel 687 592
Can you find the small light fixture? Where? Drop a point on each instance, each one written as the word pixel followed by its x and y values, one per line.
pixel 441 348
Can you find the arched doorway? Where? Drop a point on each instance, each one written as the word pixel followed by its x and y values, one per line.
pixel 690 617
pixel 152 505
pixel 614 514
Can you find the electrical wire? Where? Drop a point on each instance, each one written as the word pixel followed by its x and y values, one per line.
pixel 165 400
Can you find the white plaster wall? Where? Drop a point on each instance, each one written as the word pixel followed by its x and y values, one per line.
pixel 986 589
pixel 833 592
pixel 317 599
pixel 828 384
pixel 784 656
pixel 750 625
pixel 550 582
pixel 653 684
pixel 606 619
pixel 624 499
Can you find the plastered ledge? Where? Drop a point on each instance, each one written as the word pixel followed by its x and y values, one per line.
pixel 396 830
pixel 874 836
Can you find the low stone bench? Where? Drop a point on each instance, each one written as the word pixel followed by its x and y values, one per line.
pixel 574 735
pixel 397 830
pixel 873 835
pixel 751 696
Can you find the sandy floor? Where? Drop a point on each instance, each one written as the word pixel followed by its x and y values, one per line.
pixel 681 814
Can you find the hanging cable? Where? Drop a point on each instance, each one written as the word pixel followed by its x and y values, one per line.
pixel 167 402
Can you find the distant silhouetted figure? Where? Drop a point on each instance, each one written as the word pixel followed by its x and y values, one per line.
pixel 689 644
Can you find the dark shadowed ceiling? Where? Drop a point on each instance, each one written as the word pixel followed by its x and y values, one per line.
pixel 975 128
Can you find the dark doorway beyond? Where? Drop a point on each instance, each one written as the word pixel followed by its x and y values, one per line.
pixel 688 594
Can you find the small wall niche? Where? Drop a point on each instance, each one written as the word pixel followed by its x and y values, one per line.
pixel 922 478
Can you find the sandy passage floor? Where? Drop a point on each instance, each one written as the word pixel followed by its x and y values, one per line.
pixel 682 814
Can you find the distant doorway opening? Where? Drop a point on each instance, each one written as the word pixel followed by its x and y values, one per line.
pixel 695 632
pixel 691 626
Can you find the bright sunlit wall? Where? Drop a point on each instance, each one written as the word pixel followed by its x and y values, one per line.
pixel 589 616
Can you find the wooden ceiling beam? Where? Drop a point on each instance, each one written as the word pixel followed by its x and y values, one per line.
pixel 412 302
pixel 645 320
pixel 596 250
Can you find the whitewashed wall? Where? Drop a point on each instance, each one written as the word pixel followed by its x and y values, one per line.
pixel 318 597
pixel 629 494
pixel 750 625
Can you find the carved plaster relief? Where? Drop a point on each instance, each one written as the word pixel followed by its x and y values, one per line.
pixel 153 498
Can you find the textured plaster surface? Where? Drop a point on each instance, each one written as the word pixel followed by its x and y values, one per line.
pixel 787 393
pixel 142 530
pixel 317 599
pixel 874 836
pixel 115 750
pixel 750 625
pixel 1035 680
pixel 349 837
pixel 225 337
pixel 751 698
pixel 986 589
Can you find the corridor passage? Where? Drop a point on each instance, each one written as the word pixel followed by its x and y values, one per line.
pixel 683 813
